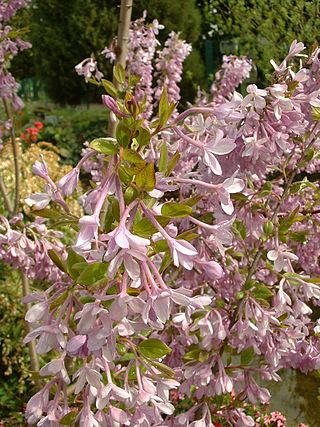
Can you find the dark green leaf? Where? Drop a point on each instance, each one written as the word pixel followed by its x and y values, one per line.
pixel 72 260
pixel 262 292
pixel 93 273
pixel 247 355
pixel 69 418
pixel 145 228
pixel 163 108
pixel 55 258
pixel 123 134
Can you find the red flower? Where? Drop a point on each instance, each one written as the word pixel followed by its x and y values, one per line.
pixel 38 125
pixel 23 136
pixel 218 424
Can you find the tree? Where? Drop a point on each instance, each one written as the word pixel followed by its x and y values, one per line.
pixel 264 29
pixel 63 34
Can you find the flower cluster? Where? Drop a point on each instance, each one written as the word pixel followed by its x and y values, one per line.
pixel 145 60
pixel 10 45
pixel 185 278
pixel 32 133
pixel 234 70
pixel 169 65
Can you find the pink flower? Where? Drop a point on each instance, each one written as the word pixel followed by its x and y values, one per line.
pixel 69 182
pixel 183 253
pixel 255 97
pixel 218 146
pixel 89 225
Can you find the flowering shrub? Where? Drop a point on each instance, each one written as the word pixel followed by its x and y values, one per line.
pixel 32 133
pixel 186 275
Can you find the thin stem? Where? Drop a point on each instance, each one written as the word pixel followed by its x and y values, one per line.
pixel 5 196
pixel 15 158
pixel 34 362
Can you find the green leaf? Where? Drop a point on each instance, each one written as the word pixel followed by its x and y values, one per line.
pixel 293 278
pixel 166 261
pixel 268 227
pixel 163 161
pixel 145 228
pixel 165 370
pixel 104 145
pixel 192 355
pixel 72 260
pixel 146 179
pixel 163 107
pixel 173 162
pixel 188 235
pixel 93 273
pixel 48 213
pixel 69 418
pixel 110 88
pixel 239 229
pixel 143 137
pixel 130 194
pixel 192 201
pixel 133 157
pixel 161 245
pixel 176 210
pixel 153 348
pixel 123 134
pixel 247 356
pixel 133 80
pixel 262 292
pixel 298 236
pixel 119 73
pixel 55 258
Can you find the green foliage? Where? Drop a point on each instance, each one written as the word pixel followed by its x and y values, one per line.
pixel 193 75
pixel 186 19
pixel 63 33
pixel 263 29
